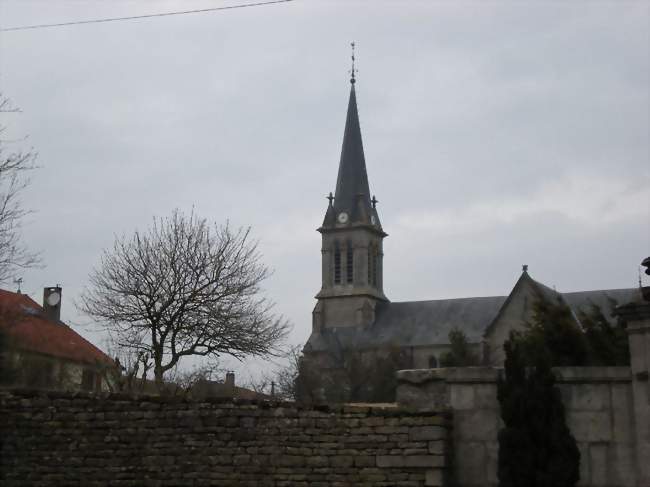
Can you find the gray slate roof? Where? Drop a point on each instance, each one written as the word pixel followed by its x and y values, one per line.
pixel 605 299
pixel 424 323
pixel 352 178
pixel 413 323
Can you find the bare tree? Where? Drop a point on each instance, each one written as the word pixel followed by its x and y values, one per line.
pixel 260 383
pixel 288 379
pixel 185 287
pixel 183 382
pixel 130 371
pixel 14 164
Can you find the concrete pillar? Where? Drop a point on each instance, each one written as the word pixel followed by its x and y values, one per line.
pixel 637 317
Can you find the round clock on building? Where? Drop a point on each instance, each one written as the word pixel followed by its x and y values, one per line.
pixel 53 299
pixel 343 217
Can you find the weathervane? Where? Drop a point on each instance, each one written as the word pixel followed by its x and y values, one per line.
pixel 352 71
pixel 330 198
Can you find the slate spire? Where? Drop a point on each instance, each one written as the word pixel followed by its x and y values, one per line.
pixel 352 186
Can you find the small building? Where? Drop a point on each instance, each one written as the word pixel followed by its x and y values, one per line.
pixel 205 388
pixel 40 351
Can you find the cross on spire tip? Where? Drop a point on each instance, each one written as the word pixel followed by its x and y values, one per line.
pixel 353 71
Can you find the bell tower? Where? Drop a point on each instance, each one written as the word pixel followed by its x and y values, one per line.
pixel 352 238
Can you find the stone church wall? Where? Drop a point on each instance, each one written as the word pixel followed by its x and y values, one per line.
pixel 96 440
pixel 517 311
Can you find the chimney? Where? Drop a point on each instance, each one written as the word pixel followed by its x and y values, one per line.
pixel 230 380
pixel 52 303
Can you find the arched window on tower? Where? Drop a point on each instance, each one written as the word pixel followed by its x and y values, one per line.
pixel 370 264
pixel 375 254
pixel 337 263
pixel 349 263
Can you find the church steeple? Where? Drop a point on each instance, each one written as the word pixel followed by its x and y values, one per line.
pixel 352 250
pixel 352 203
pixel 352 187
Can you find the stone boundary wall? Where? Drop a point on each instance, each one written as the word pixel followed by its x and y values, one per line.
pixel 52 439
pixel 599 407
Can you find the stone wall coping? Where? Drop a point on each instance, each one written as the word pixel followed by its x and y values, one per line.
pixel 483 375
pixel 634 311
pixel 365 409
pixel 593 374
pixel 451 374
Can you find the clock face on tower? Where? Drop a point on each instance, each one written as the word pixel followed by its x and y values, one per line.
pixel 343 217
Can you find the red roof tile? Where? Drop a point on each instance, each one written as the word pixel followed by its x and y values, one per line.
pixel 27 327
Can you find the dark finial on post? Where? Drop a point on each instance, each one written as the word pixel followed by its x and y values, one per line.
pixel 646 263
pixel 645 290
pixel 353 71
pixel 374 201
pixel 524 268
pixel 330 198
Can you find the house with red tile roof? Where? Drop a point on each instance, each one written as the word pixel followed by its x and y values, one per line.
pixel 41 351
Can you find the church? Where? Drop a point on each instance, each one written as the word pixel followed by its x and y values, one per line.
pixel 354 314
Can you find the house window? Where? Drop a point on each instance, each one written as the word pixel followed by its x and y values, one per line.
pixel 88 380
pixel 433 362
pixel 37 372
pixel 337 263
pixel 349 264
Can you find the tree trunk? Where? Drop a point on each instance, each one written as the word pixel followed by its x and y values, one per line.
pixel 158 377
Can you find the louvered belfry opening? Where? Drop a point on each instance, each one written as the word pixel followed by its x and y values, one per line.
pixel 337 263
pixel 349 264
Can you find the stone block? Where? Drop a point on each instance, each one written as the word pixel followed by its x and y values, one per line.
pixel 317 461
pixel 434 478
pixel 587 397
pixel 341 461
pixel 469 464
pixel 592 375
pixel 598 462
pixel 461 396
pixel 622 413
pixel 639 362
pixel 403 461
pixel 421 376
pixel 585 466
pixel 438 447
pixel 492 462
pixel 426 397
pixel 390 461
pixel 590 426
pixel 622 464
pixel 473 375
pixel 364 461
pixel 424 461
pixel 426 433
pixel 485 396
pixel 476 425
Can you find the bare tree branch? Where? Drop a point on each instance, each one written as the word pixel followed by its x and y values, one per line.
pixel 14 164
pixel 185 288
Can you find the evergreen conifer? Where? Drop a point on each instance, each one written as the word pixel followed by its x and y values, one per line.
pixel 536 448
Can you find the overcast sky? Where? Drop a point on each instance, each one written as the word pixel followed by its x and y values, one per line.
pixel 496 134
